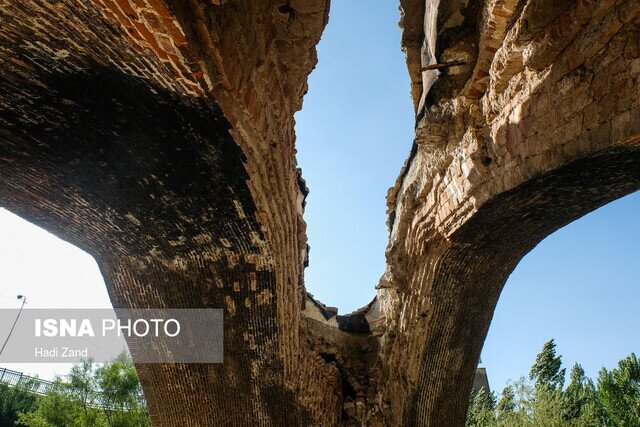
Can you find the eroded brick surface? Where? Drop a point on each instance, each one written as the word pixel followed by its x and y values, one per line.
pixel 158 136
pixel 548 134
pixel 148 134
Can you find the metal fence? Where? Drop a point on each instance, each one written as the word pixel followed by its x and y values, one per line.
pixel 35 385
pixel 32 384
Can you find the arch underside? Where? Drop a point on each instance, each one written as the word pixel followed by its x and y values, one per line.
pixel 154 187
pixel 106 144
pixel 482 254
pixel 158 136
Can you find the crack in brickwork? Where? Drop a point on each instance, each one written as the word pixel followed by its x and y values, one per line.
pixel 158 135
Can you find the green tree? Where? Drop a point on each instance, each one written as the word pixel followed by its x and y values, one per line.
pixel 121 395
pixel 548 376
pixel 507 413
pixel 547 407
pixel 547 370
pixel 542 402
pixel 107 396
pixel 481 409
pixel 82 388
pixel 581 405
pixel 619 392
pixel 14 400
pixel 514 406
pixel 507 402
pixel 57 408
pixel 576 394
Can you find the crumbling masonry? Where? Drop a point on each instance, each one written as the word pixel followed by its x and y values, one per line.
pixel 158 136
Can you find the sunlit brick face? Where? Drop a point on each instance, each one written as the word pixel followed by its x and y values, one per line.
pixel 158 135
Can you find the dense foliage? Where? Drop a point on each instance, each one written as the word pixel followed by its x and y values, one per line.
pixel 109 396
pixel 15 400
pixel 542 400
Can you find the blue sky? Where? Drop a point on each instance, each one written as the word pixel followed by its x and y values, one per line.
pixel 580 286
pixel 354 132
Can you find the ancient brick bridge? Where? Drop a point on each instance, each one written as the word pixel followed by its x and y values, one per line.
pixel 158 136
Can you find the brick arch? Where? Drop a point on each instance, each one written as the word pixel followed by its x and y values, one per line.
pixel 480 255
pixel 158 135
pixel 551 133
pixel 158 208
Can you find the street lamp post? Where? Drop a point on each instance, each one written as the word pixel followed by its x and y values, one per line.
pixel 24 301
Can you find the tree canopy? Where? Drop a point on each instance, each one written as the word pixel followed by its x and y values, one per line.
pixel 107 396
pixel 541 400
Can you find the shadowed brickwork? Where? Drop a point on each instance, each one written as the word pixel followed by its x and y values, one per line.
pixel 158 136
